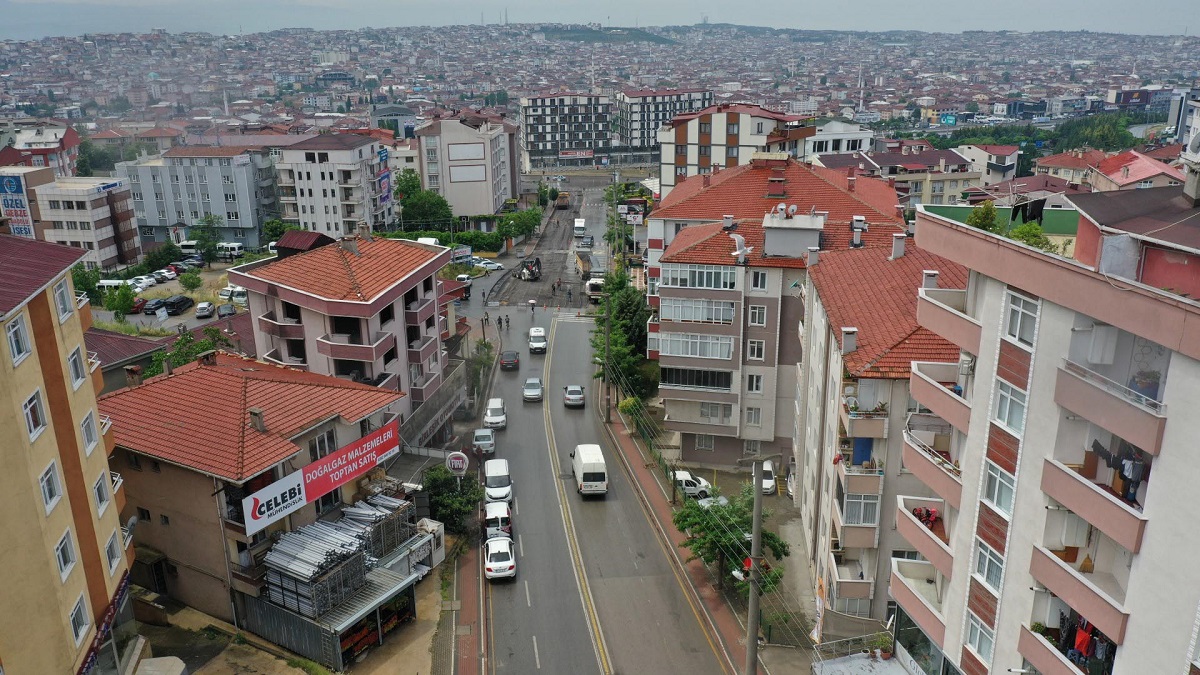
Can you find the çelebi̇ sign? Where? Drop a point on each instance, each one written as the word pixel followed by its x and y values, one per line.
pixel 318 479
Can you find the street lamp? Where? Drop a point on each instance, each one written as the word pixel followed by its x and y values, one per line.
pixel 755 561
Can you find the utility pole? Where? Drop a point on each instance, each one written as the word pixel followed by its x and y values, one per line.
pixel 607 358
pixel 756 558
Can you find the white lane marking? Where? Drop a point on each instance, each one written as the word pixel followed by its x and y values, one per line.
pixel 521 545
pixel 536 659
pixel 528 601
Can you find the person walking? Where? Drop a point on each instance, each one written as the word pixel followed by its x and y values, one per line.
pixel 486 319
pixel 505 322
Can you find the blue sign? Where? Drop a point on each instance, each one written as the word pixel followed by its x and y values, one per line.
pixel 385 187
pixel 949 119
pixel 15 206
pixel 1038 144
pixel 11 185
pixel 383 159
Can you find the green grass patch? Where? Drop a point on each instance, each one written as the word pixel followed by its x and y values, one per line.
pixel 310 667
pixel 133 329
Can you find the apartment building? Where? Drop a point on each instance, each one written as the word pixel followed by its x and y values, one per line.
pixel 852 411
pixel 93 214
pixel 331 183
pixel 1131 170
pixel 1066 480
pixel 470 159
pixel 68 608
pixel 48 146
pixel 920 176
pixel 365 309
pixel 1074 165
pixel 995 163
pixel 642 112
pixel 833 136
pixel 173 191
pixel 720 137
pixel 565 129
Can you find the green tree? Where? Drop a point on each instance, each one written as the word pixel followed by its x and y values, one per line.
pixel 973 107
pixel 186 349
pixel 190 281
pixel 984 217
pixel 479 364
pixel 162 256
pixel 626 339
pixel 525 223
pixel 119 301
pixel 543 195
pixel 427 207
pixel 86 281
pixel 717 533
pixel 1033 235
pixel 452 501
pixel 408 183
pixel 274 229
pixel 206 235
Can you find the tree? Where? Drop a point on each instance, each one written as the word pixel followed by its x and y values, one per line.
pixel 523 223
pixel 428 207
pixel 983 217
pixel 452 501
pixel 190 281
pixel 479 364
pixel 162 256
pixel 407 183
pixel 206 235
pixel 972 107
pixel 717 532
pixel 119 301
pixel 1032 234
pixel 86 281
pixel 273 230
pixel 186 349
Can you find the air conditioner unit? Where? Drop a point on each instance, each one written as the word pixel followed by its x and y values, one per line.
pixel 966 365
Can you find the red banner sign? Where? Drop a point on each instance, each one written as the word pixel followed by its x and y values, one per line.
pixel 351 461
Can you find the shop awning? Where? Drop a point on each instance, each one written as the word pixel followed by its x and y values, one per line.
pixel 382 585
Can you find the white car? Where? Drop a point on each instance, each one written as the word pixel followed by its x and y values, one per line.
pixel 168 273
pixel 145 281
pixel 489 264
pixel 768 477
pixel 499 558
pixel 573 396
pixel 484 441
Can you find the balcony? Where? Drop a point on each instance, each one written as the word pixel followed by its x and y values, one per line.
pixel 93 362
pixel 934 467
pixel 852 535
pixel 126 537
pixel 944 311
pixel 1043 655
pixel 862 423
pixel 1095 503
pixel 933 543
pixel 1096 595
pixel 276 356
pixel 424 387
pixel 918 587
pixel 416 312
pixel 249 579
pixel 860 480
pixel 934 385
pixel 852 579
pixel 420 350
pixel 81 299
pixel 286 178
pixel 285 328
pixel 1125 412
pixel 384 380
pixel 105 424
pixel 356 348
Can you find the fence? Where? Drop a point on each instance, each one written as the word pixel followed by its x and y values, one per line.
pixel 838 649
pixel 434 411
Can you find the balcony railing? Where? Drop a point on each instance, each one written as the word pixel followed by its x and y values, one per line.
pixel 935 386
pixel 1133 416
pixel 355 348
pixel 944 311
pixel 105 424
pixel 847 580
pixel 93 362
pixel 1095 504
pixel 917 587
pixel 126 537
pixel 420 350
pixel 1114 387
pixel 116 479
pixel 1042 655
pixel 931 542
pixel 81 299
pixel 860 480
pixel 863 423
pixel 1096 594
pixel 280 326
pixel 855 535
pixel 274 356
pixel 416 312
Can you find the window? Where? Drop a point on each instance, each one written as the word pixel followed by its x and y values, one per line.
pixel 112 551
pixel 717 277
pixel 18 340
pixel 754 417
pixel 35 420
pixel 231 215
pixel 732 128
pixel 62 298
pixel 694 378
pixel 691 309
pixel 758 315
pixel 998 488
pixel 751 448
pixel 79 620
pixel 861 510
pixel 979 637
pixel 329 501
pixel 731 152
pixel 906 555
pixel 100 489
pixel 164 519
pixel 65 552
pixel 134 461
pixel 989 565
pixel 699 346
pixel 754 384
pixel 756 350
pixel 1022 319
pixel 54 204
pixel 387 314
pixel 155 466
pixel 705 442
pixel 75 365
pixel 51 487
pixel 716 413
pixel 230 196
pixel 1010 406
pixel 322 445
pixel 758 280
pixel 706 127
pixel 143 515
pixel 1145 184
pixel 88 429
pixel 705 150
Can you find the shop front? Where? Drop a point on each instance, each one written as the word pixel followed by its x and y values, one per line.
pixel 917 652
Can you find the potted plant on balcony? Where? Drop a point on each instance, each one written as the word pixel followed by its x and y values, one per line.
pixel 1145 382
pixel 883 643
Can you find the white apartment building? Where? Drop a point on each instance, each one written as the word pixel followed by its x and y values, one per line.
pixel 994 163
pixel 1067 480
pixel 174 190
pixel 94 214
pixel 564 129
pixel 331 183
pixel 642 112
pixel 470 159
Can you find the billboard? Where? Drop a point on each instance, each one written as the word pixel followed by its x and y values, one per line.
pixel 385 187
pixel 949 119
pixel 14 204
pixel 383 160
pixel 323 476
pixel 576 154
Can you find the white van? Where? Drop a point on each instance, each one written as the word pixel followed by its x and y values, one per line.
pixel 497 520
pixel 188 247
pixel 537 340
pixel 497 483
pixel 107 285
pixel 230 250
pixel 494 415
pixel 587 466
pixel 580 227
pixel 239 296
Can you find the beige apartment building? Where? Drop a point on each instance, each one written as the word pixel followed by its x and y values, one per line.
pixel 94 214
pixel 471 160
pixel 66 607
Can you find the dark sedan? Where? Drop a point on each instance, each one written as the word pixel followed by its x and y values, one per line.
pixel 152 306
pixel 510 360
pixel 226 310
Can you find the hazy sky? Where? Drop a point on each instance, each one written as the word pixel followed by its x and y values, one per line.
pixel 39 18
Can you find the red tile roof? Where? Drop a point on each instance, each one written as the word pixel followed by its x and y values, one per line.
pixel 114 348
pixel 1131 167
pixel 709 244
pixel 109 133
pixel 1002 150
pixel 303 240
pixel 1166 153
pixel 26 265
pixel 862 288
pixel 1073 159
pixel 334 273
pixel 212 433
pixel 743 108
pixel 160 132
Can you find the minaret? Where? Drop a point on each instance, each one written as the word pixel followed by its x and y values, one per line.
pixel 225 95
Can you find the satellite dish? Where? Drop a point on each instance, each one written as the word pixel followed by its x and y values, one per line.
pixel 1194 144
pixel 781 209
pixel 129 524
pixel 792 210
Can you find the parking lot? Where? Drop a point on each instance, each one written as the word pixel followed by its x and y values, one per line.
pixel 214 277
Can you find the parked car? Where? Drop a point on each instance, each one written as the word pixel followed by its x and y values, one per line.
pixel 166 272
pixel 497 520
pixel 225 310
pixel 484 441
pixel 160 276
pixel 180 266
pixel 489 264
pixel 139 304
pixel 532 389
pixel 178 304
pixel 768 477
pixel 152 306
pixel 573 396
pixel 510 360
pixel 499 558
pixel 692 486
pixel 205 310
pixel 146 280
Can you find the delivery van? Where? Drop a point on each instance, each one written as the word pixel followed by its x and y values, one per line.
pixel 587 466
pixel 497 482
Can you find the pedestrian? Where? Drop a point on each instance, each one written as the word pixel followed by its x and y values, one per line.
pixel 486 318
pixel 553 290
pixel 506 322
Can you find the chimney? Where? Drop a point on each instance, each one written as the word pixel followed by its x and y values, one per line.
pixel 849 339
pixel 168 367
pixel 892 182
pixel 728 221
pixel 814 254
pixel 899 210
pixel 350 244
pixel 1191 183
pixel 857 241
pixel 1124 172
pixel 208 358
pixel 256 420
pixel 904 149
pixel 929 279
pixel 850 183
pixel 133 376
pixel 898 245
pixel 912 228
pixel 706 180
pixel 364 231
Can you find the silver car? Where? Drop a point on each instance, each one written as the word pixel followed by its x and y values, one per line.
pixel 573 396
pixel 532 390
pixel 484 441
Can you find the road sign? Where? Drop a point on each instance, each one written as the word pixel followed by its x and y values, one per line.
pixel 161 314
pixel 457 462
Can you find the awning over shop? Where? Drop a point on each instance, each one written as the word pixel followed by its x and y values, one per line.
pixel 382 585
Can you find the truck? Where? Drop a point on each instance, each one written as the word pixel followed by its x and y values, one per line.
pixel 563 201
pixel 594 289
pixel 588 266
pixel 580 227
pixel 530 270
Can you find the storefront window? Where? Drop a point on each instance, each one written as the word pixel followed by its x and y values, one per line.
pixel 922 652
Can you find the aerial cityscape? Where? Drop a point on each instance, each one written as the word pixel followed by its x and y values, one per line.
pixel 844 343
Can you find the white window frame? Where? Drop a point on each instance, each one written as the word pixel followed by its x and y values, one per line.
pixel 102 489
pixel 112 551
pixel 692 345
pixel 79 619
pixel 90 433
pixel 754 383
pixel 1020 321
pixel 980 638
pixel 716 413
pixel 756 350
pixel 989 566
pixel 760 319
pixel 62 298
pixel 858 516
pixel 995 482
pixel 753 417
pixel 758 280
pixel 706 442
pixel 1012 404
pixel 51 486
pixel 696 310
pixel 715 277
pixel 19 346
pixel 75 363
pixel 36 399
pixel 64 555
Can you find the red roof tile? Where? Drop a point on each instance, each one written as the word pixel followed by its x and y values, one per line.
pixel 1131 167
pixel 1002 150
pixel 709 244
pixel 743 108
pixel 862 288
pixel 334 273
pixel 1074 159
pixel 160 132
pixel 114 348
pixel 26 265
pixel 212 433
